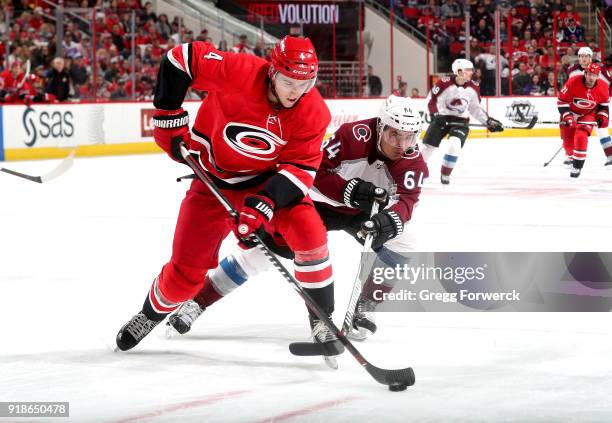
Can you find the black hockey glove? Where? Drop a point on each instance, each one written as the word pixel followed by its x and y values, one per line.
pixel 494 125
pixel 383 226
pixel 439 120
pixel 362 194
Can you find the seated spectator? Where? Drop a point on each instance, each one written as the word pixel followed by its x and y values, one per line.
pixel 78 72
pixel 451 9
pixel 427 20
pixel 147 13
pixel 203 35
pixel 549 85
pixel 402 91
pixel 482 32
pixel 573 32
pixel 569 14
pixel 414 93
pixel 163 26
pixel 222 45
pixel 242 46
pixel 520 80
pixel 58 80
pixel 534 87
pixel 118 92
pixel 374 83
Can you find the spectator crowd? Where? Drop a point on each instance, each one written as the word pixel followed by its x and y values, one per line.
pixel 100 58
pixel 539 39
pixel 92 61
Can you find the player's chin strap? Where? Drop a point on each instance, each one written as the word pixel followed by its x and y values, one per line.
pixel 394 378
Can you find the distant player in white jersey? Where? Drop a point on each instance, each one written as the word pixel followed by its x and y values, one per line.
pixel 451 102
pixel 359 159
pixel 585 58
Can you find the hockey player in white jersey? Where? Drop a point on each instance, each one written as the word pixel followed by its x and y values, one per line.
pixel 451 102
pixel 359 157
pixel 585 58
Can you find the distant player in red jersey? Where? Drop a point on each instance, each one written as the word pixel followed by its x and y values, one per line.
pixel 258 135
pixel 361 156
pixel 583 103
pixel 585 58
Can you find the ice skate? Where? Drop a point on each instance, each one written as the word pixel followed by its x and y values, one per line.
pixel 181 320
pixel 134 331
pixel 444 179
pixel 364 323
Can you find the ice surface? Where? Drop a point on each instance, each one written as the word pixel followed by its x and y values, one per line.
pixel 78 254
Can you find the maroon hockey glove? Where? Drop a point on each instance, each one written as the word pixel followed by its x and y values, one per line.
pixel 256 211
pixel 493 125
pixel 170 127
pixel 568 119
pixel 383 226
pixel 602 119
pixel 362 194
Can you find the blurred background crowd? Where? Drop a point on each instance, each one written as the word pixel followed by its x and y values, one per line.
pixel 539 40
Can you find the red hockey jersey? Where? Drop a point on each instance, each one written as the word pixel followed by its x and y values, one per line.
pixel 241 137
pixel 352 153
pixel 582 100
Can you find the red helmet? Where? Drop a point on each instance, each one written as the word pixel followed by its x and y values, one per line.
pixel 295 57
pixel 593 68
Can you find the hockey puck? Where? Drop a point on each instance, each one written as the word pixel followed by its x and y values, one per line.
pixel 397 387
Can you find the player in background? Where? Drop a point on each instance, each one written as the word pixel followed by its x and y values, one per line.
pixel 451 102
pixel 583 103
pixel 359 157
pixel 585 58
pixel 258 135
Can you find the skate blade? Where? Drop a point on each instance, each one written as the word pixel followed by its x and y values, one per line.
pixel 331 362
pixel 360 335
pixel 171 332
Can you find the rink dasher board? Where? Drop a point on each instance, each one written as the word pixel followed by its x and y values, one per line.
pixel 44 131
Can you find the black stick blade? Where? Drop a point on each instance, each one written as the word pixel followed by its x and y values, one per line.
pixel 391 377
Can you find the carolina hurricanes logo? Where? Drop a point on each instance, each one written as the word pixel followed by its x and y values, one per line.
pixel 252 141
pixel 584 103
pixel 362 132
pixel 457 104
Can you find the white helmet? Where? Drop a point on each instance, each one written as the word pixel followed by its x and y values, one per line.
pixel 461 64
pixel 585 51
pixel 400 113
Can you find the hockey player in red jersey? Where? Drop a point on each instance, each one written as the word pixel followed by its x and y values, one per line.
pixel 583 104
pixel 258 135
pixel 451 102
pixel 585 58
pixel 359 157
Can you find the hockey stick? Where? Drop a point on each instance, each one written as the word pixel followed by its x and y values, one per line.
pixel 399 379
pixel 530 124
pixel 553 157
pixel 60 169
pixel 367 244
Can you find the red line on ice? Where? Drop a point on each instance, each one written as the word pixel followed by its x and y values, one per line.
pixel 307 410
pixel 209 399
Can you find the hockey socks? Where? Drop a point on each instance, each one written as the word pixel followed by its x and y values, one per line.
pixel 155 306
pixel 606 144
pixel 448 164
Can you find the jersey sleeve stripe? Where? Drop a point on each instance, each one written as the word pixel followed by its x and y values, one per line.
pixel 187 58
pixel 174 60
pixel 294 180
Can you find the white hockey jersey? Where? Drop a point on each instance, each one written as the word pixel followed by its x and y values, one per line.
pixel 449 99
